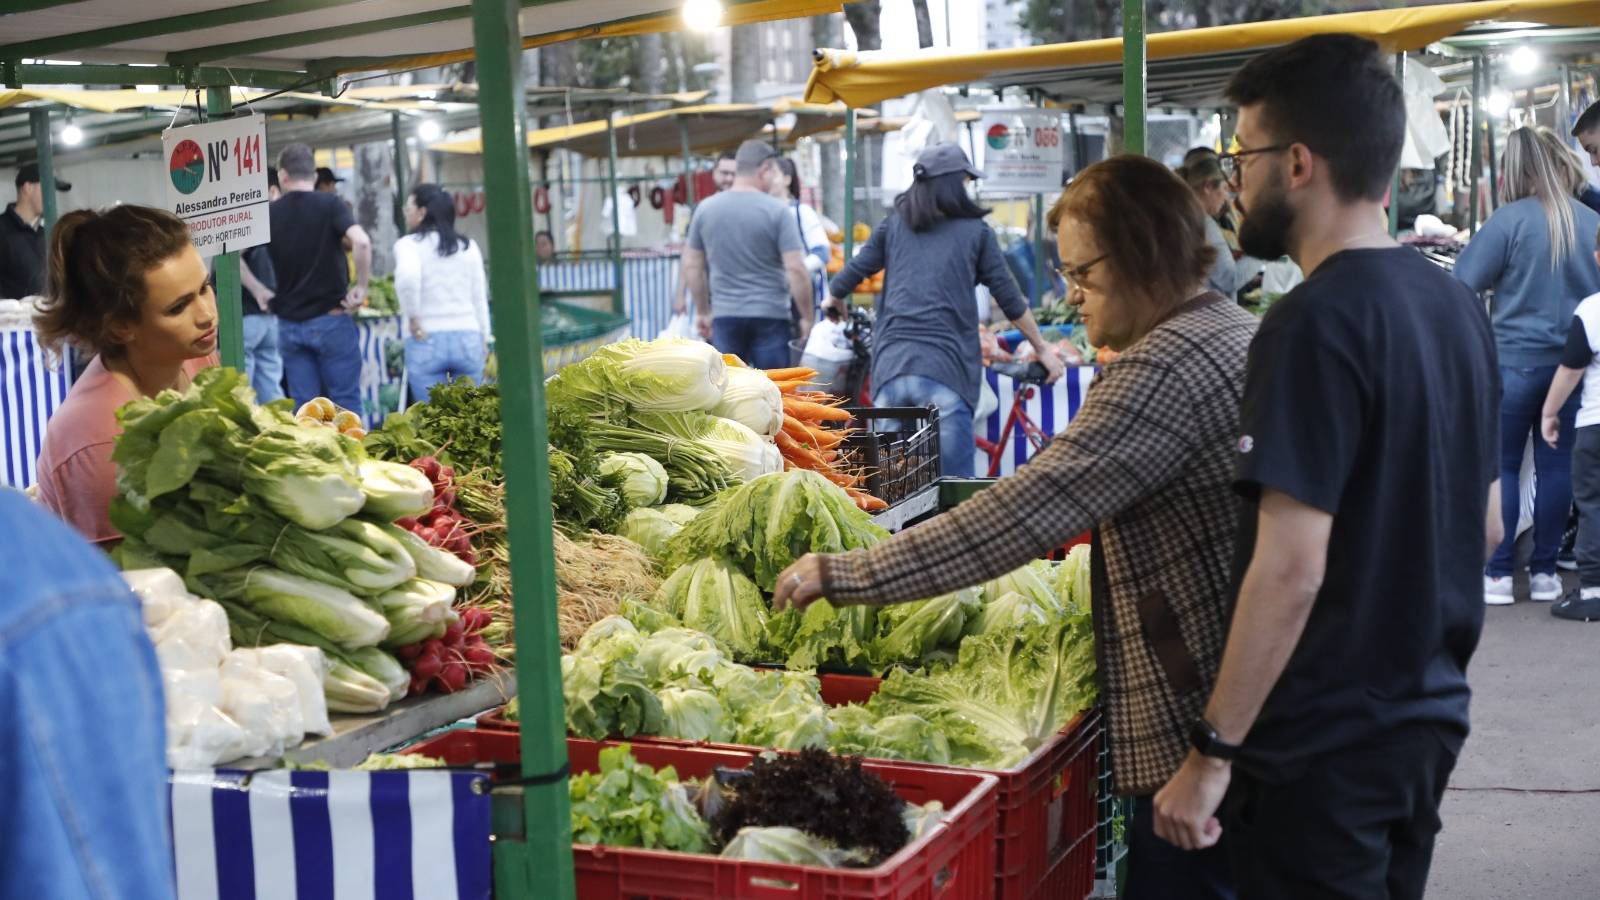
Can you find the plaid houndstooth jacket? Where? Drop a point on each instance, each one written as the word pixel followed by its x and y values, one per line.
pixel 1148 462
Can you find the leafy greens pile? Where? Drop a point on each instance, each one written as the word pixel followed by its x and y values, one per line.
pixel 629 804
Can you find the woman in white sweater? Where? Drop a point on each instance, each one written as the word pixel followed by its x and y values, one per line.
pixel 439 277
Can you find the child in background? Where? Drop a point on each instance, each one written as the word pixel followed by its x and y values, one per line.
pixel 1580 362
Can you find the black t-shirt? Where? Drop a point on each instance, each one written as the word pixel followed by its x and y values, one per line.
pixel 307 253
pixel 259 260
pixel 1372 393
pixel 21 257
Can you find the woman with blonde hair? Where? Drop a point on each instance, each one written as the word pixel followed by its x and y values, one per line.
pixel 1571 164
pixel 1532 254
pixel 1204 176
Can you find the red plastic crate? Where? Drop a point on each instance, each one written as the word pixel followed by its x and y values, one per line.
pixel 1047 805
pixel 954 861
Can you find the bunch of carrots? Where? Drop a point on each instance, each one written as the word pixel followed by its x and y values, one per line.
pixel 808 440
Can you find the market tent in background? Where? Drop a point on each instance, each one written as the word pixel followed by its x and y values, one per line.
pixel 1185 68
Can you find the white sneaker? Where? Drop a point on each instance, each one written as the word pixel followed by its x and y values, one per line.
pixel 1544 588
pixel 1497 591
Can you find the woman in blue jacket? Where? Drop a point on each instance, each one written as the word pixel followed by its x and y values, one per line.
pixel 1533 254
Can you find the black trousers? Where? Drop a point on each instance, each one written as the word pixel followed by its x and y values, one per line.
pixel 1586 498
pixel 1355 825
pixel 1158 870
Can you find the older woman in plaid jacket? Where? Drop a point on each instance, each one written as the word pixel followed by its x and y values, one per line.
pixel 1147 464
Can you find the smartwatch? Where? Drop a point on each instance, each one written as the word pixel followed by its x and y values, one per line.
pixel 1203 737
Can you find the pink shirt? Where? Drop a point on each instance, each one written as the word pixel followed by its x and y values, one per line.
pixel 77 478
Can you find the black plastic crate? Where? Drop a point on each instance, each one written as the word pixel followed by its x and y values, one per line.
pixel 897 447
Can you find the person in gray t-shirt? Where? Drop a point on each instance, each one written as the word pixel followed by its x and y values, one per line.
pixel 756 265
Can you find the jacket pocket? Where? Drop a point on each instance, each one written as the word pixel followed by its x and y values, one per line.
pixel 1165 639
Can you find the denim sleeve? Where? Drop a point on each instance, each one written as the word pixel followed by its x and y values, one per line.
pixel 83 774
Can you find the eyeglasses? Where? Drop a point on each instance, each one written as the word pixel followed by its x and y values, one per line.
pixel 1230 161
pixel 1074 275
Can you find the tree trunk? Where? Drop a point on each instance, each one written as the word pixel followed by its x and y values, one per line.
pixel 651 50
pixel 374 200
pixel 745 63
pixel 825 33
pixel 924 23
pixel 863 19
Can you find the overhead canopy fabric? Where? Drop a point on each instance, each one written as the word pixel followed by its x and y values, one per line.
pixel 711 128
pixel 327 37
pixel 129 100
pixel 1186 68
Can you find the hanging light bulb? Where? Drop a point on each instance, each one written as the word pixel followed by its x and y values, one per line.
pixel 702 15
pixel 71 135
pixel 1523 60
pixel 1498 104
pixel 429 131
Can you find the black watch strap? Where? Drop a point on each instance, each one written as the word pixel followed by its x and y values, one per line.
pixel 1203 737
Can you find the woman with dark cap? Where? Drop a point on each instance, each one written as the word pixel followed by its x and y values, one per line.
pixel 934 249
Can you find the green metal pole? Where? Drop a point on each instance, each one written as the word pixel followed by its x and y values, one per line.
pixel 1134 102
pixel 401 177
pixel 1394 183
pixel 540 863
pixel 849 185
pixel 688 162
pixel 230 309
pixel 617 305
pixel 1475 167
pixel 44 147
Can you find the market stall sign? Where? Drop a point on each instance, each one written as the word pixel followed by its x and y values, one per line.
pixel 1023 152
pixel 217 182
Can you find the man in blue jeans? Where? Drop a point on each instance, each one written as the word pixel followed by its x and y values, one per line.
pixel 756 260
pixel 317 337
pixel 83 787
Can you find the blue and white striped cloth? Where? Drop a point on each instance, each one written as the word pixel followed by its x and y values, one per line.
pixel 649 284
pixel 281 835
pixel 1051 407
pixel 29 392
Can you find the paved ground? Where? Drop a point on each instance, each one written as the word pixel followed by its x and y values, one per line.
pixel 1513 828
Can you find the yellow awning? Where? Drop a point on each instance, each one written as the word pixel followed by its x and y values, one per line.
pixel 747 13
pixel 712 127
pixel 862 79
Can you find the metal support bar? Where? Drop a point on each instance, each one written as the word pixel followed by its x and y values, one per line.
pixel 1494 168
pixel 39 121
pixel 688 162
pixel 1038 251
pixel 849 185
pixel 1394 182
pixel 230 308
pixel 616 214
pixel 1134 101
pixel 402 159
pixel 540 864
pixel 1475 166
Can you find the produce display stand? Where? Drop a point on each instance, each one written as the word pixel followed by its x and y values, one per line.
pixel 953 861
pixel 285 44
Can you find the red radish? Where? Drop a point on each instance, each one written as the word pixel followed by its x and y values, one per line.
pixel 453 678
pixel 479 657
pixel 428 534
pixel 408 523
pixel 433 646
pixel 409 652
pixel 470 558
pixel 474 619
pixel 447 497
pixel 419 685
pixel 429 466
pixel 453 633
pixel 427 665
pixel 448 473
